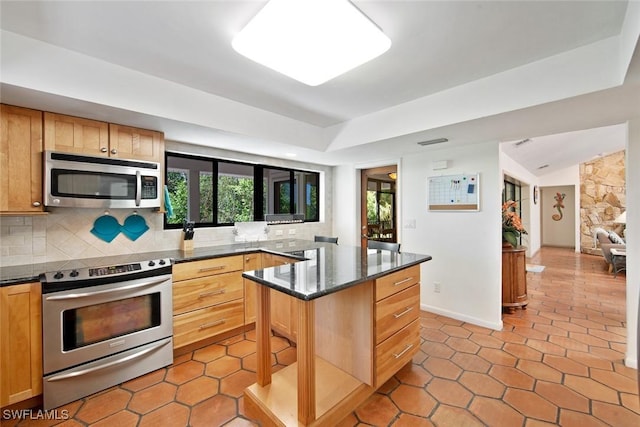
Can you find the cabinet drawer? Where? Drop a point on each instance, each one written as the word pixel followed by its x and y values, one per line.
pixel 396 312
pixel 395 282
pixel 397 351
pixel 207 267
pixel 207 322
pixel 197 293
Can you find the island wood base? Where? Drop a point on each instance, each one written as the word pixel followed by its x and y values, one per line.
pixel 276 404
pixel 344 343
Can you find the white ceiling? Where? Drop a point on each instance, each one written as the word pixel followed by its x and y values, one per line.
pixel 469 71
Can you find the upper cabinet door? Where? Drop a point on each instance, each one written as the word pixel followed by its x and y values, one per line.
pixel 20 160
pixel 133 143
pixel 75 135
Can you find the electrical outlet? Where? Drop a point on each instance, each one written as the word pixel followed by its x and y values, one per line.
pixel 292 231
pixel 436 287
pixel 279 232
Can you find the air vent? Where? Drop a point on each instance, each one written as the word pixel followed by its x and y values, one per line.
pixel 433 141
pixel 524 141
pixel 543 166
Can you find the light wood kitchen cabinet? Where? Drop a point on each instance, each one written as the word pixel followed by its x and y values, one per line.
pixel 284 308
pixel 251 262
pixel 20 342
pixel 208 299
pixel 132 143
pixel 397 324
pixel 514 278
pixel 21 148
pixel 75 135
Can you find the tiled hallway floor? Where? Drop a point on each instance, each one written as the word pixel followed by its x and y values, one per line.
pixel 559 362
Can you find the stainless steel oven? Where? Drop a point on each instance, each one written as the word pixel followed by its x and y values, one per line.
pixel 103 326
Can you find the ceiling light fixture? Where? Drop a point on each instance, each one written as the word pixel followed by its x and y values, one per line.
pixel 311 41
pixel 433 141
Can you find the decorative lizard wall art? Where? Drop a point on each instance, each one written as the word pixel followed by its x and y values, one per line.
pixel 559 197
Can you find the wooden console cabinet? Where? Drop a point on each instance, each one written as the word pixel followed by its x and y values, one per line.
pixel 514 278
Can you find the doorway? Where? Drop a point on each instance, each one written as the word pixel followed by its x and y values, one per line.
pixel 558 218
pixel 378 204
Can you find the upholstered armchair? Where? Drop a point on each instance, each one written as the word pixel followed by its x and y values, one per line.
pixel 608 240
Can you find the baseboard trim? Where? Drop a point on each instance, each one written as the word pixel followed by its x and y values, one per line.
pixel 631 363
pixel 462 317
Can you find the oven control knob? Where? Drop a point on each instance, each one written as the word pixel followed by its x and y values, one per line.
pixel 161 262
pixel 151 263
pixel 58 275
pixel 74 273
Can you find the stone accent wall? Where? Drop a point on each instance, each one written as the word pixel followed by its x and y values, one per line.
pixel 602 197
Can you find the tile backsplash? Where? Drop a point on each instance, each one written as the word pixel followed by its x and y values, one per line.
pixel 65 234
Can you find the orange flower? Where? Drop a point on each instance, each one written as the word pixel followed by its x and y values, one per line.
pixel 511 223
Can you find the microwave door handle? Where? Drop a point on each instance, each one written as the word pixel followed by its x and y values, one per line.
pixel 138 188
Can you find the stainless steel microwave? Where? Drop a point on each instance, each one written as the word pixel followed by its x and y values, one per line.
pixel 100 182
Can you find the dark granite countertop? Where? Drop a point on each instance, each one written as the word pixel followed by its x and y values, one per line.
pixel 12 275
pixel 331 268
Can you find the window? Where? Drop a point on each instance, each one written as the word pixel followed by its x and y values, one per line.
pixel 513 191
pixel 239 192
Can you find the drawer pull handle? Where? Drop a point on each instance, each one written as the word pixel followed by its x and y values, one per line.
pixel 398 315
pixel 403 281
pixel 209 294
pixel 399 355
pixel 216 268
pixel 212 324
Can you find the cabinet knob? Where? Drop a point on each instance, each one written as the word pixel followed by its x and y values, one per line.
pixel 36 204
pixel 103 150
pixel 114 151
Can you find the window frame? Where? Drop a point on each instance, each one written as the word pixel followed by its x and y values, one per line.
pixel 259 202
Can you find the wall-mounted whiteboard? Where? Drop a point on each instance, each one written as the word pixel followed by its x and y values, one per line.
pixel 454 192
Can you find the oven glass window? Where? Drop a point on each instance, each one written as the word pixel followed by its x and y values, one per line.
pixel 93 185
pixel 94 323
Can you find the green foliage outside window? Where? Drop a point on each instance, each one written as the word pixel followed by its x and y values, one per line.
pixel 177 185
pixel 215 192
pixel 235 199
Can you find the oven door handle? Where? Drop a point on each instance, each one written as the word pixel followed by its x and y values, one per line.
pixel 106 291
pixel 109 364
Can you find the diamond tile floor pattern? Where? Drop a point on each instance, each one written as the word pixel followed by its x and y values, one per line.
pixel 559 362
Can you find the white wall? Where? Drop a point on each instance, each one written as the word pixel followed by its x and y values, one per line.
pixel 633 241
pixel 531 211
pixel 567 176
pixel 558 231
pixel 346 209
pixel 465 246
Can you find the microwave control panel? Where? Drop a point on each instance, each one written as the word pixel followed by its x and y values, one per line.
pixel 149 187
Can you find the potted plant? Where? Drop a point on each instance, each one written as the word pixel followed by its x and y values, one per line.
pixel 512 226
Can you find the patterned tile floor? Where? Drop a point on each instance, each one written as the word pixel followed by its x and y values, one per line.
pixel 559 362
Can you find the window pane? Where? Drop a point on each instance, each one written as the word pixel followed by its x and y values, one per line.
pixel 276 191
pixel 235 193
pixel 177 183
pixel 189 181
pixel 310 201
pixel 206 197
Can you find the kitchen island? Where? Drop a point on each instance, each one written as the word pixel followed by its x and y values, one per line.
pixel 357 323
